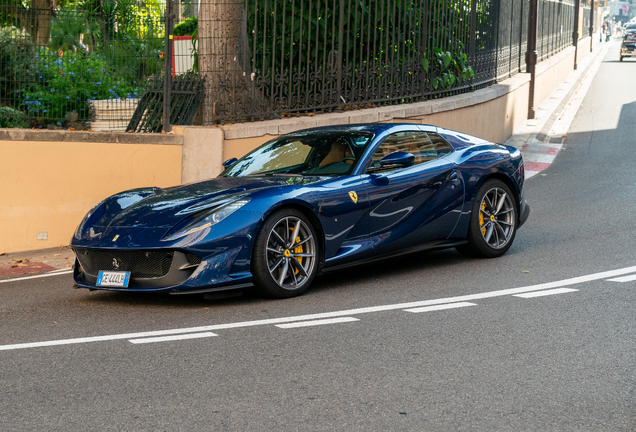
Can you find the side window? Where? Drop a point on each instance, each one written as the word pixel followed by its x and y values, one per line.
pixel 425 147
pixel 441 146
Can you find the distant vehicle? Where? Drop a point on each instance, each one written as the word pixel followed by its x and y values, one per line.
pixel 628 27
pixel 305 203
pixel 628 46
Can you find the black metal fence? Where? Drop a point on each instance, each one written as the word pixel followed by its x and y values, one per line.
pixel 91 62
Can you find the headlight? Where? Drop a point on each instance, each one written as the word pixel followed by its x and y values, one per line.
pixel 206 221
pixel 80 227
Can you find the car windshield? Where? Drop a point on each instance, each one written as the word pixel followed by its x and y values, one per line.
pixel 311 153
pixel 630 27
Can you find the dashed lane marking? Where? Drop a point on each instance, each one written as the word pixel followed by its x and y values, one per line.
pixel 317 322
pixel 624 279
pixel 172 338
pixel 326 315
pixel 546 293
pixel 440 307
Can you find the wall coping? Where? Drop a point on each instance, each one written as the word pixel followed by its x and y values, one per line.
pixel 89 137
pixel 370 115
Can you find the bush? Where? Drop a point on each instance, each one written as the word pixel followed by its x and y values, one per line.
pixel 12 118
pixel 16 57
pixel 187 27
pixel 65 84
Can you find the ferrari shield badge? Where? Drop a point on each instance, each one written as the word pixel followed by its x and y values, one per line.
pixel 354 197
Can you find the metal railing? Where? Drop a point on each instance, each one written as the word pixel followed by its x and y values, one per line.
pixel 259 59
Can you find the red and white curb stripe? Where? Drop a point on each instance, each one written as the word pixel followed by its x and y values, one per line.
pixel 537 156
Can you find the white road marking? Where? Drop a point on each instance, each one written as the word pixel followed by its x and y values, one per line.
pixel 35 277
pixel 624 278
pixel 324 315
pixel 546 292
pixel 440 307
pixel 61 270
pixel 318 322
pixel 172 338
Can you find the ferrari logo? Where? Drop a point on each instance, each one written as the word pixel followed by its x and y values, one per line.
pixel 116 237
pixel 354 197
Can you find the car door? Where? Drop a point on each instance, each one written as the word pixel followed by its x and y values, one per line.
pixel 415 205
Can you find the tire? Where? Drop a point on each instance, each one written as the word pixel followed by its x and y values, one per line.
pixel 493 225
pixel 621 58
pixel 283 267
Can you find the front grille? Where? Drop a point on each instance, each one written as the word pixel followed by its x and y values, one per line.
pixel 140 264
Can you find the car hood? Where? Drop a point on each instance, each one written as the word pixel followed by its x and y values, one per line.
pixel 162 208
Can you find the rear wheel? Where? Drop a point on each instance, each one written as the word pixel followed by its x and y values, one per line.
pixel 285 257
pixel 493 221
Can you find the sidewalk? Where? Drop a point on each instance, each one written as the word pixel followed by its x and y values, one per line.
pixel 37 261
pixel 541 139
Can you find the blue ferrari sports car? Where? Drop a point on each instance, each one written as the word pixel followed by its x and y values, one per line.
pixel 305 203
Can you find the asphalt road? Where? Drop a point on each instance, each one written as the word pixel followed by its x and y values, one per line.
pixel 501 363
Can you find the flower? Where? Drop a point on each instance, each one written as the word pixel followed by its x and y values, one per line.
pixel 59 123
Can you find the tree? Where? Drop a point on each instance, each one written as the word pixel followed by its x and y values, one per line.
pixel 224 62
pixel 35 17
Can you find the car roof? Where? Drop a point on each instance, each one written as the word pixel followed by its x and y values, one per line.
pixel 374 128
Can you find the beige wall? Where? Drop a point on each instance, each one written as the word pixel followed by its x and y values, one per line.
pixel 49 186
pixel 494 120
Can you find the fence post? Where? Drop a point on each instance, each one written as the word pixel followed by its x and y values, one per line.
pixel 339 54
pixel 592 26
pixel 167 85
pixel 575 33
pixel 473 31
pixel 531 54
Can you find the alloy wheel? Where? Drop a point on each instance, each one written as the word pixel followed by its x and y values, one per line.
pixel 497 218
pixel 291 253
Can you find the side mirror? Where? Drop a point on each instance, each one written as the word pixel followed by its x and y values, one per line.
pixel 399 158
pixel 228 163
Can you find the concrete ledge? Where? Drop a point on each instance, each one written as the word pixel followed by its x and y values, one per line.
pixel 91 137
pixel 391 113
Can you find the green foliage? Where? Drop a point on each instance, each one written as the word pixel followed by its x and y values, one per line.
pixel 65 84
pixel 187 27
pixel 16 56
pixel 448 67
pixel 12 118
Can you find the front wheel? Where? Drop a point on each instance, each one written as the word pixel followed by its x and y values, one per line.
pixel 285 257
pixel 493 221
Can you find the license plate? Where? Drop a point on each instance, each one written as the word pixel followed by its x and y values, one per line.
pixel 113 279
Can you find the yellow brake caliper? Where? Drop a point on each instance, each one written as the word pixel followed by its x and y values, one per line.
pixel 298 250
pixel 481 218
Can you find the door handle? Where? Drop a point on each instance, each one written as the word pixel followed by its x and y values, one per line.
pixel 453 176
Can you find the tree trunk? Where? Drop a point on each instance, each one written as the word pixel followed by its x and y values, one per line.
pixel 41 22
pixel 224 62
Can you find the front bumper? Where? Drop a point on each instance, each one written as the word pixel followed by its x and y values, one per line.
pixel 161 271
